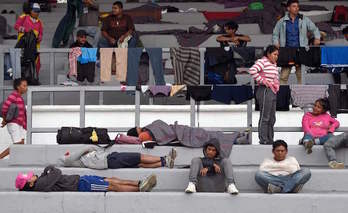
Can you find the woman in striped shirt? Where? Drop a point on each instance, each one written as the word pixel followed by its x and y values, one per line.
pixel 265 73
pixel 17 126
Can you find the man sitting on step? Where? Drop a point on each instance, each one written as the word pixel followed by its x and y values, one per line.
pixel 210 172
pixel 52 180
pixel 95 157
pixel 335 142
pixel 282 173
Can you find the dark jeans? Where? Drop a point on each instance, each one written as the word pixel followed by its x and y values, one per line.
pixel 66 26
pixel 155 55
pixel 288 183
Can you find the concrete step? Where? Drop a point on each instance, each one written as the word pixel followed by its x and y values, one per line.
pixel 168 202
pixel 241 155
pixel 168 180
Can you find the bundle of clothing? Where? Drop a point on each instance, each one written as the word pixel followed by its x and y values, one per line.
pixel 82 63
pixel 165 134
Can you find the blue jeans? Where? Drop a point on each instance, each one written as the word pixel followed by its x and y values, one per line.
pixel 104 43
pixel 288 183
pixel 322 140
pixel 155 55
pixel 13 60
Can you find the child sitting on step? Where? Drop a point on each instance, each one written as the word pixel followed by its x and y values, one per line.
pixel 318 125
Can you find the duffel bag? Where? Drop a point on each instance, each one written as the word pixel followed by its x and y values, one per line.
pixel 74 135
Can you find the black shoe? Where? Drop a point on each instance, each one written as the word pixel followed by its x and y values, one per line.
pixel 7 37
pixel 4 12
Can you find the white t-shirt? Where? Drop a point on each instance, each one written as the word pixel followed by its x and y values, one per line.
pixel 285 167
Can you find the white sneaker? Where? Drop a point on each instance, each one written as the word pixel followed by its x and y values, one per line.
pixel 336 165
pixel 232 189
pixel 191 188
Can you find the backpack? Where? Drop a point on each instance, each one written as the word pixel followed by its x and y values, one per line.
pixel 74 135
pixel 340 14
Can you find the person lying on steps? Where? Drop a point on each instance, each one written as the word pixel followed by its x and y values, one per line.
pixel 52 180
pixel 94 157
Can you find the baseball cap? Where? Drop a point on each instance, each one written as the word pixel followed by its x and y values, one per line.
pixel 81 33
pixel 35 7
pixel 22 179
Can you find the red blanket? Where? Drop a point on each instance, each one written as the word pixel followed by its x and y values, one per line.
pixel 220 15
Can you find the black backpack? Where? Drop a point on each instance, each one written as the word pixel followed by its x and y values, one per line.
pixel 74 135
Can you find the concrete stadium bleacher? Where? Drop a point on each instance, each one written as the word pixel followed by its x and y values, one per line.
pixel 327 190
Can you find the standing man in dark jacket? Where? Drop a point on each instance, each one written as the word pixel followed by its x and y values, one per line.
pixel 52 180
pixel 209 166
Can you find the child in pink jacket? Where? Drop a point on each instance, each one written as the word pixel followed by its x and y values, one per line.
pixel 318 125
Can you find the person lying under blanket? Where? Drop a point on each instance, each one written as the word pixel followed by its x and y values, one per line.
pixel 52 180
pixel 164 134
pixel 95 157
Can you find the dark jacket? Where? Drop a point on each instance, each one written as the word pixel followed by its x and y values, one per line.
pixel 52 180
pixel 209 162
pixel 77 44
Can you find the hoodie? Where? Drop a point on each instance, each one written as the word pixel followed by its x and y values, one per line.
pixel 92 157
pixel 208 162
pixel 319 125
pixel 52 180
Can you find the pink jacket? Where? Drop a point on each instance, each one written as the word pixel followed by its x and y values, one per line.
pixel 17 99
pixel 28 24
pixel 319 125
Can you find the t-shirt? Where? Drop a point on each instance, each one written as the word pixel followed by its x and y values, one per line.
pixel 116 27
pixel 287 166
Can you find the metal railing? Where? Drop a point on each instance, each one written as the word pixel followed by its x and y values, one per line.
pixel 83 89
pixel 82 93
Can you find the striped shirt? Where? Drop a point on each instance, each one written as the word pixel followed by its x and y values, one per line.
pixel 263 70
pixel 17 99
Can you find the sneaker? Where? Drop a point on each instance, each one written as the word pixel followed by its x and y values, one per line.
pixel 298 188
pixel 170 158
pixel 336 165
pixel 308 146
pixel 232 189
pixel 191 188
pixel 273 189
pixel 148 184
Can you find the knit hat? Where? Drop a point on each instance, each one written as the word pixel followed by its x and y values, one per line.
pixel 22 179
pixel 35 7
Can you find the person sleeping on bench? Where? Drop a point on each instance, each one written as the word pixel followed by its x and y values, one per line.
pixel 95 157
pixel 52 180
